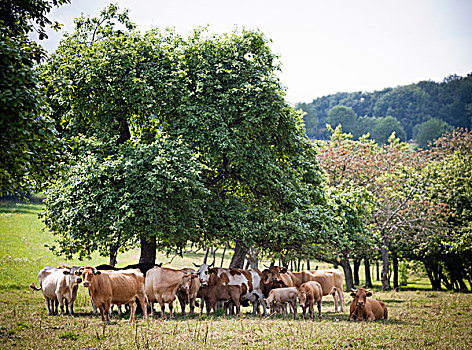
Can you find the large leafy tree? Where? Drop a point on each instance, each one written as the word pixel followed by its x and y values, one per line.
pixel 28 146
pixel 219 95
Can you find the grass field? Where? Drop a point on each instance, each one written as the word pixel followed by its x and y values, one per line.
pixel 418 319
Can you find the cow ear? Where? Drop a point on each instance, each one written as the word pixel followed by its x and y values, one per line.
pixel 369 293
pixel 66 272
pixel 353 294
pixel 283 270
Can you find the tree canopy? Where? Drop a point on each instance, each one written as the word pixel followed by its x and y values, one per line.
pixel 218 97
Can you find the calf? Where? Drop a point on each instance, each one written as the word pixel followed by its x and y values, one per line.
pixel 162 285
pixel 279 297
pixel 364 308
pixel 309 293
pixel 189 296
pixel 115 287
pixel 59 286
pixel 216 290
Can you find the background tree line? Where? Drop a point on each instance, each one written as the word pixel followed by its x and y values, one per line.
pixel 421 111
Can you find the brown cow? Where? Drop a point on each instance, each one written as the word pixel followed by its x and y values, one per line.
pixel 250 281
pixel 216 289
pixel 162 284
pixel 279 297
pixel 309 293
pixel 364 308
pixel 189 296
pixel 269 284
pixel 115 287
pixel 331 281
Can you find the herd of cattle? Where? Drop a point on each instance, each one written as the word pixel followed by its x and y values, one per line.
pixel 275 287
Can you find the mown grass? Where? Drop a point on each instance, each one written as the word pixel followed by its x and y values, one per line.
pixel 418 319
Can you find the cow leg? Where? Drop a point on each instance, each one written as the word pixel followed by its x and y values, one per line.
pixel 293 304
pixel 182 305
pixel 261 299
pixel 341 298
pixel 143 302
pixel 319 308
pixel 66 303
pixel 102 309
pixel 171 309
pixel 54 306
pixel 333 293
pixel 48 305
pixel 132 310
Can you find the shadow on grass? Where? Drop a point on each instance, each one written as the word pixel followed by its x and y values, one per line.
pixel 13 208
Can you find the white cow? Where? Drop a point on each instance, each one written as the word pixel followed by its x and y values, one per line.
pixel 58 285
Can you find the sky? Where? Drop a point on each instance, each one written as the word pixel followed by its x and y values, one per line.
pixel 325 46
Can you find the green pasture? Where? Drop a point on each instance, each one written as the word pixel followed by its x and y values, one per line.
pixel 418 318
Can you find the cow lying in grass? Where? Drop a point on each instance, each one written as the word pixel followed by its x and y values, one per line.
pixel 364 308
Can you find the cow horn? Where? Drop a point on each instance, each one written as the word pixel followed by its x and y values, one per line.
pixel 94 271
pixel 196 265
pixel 353 290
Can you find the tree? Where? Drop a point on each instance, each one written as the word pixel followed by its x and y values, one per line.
pixel 28 146
pixel 310 118
pixel 431 130
pixel 220 97
pixel 344 116
pixel 384 127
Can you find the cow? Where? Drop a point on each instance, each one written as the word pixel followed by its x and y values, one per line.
pixel 189 296
pixel 115 287
pixel 143 267
pixel 59 286
pixel 331 281
pixel 162 284
pixel 268 284
pixel 279 297
pixel 250 281
pixel 216 290
pixel 310 293
pixel 364 308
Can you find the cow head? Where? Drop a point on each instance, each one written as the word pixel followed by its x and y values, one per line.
pixel 88 273
pixel 74 276
pixel 274 274
pixel 203 273
pixel 302 298
pixel 361 295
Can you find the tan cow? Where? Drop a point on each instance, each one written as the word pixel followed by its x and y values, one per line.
pixel 189 296
pixel 162 284
pixel 364 308
pixel 331 281
pixel 310 293
pixel 115 287
pixel 279 297
pixel 59 286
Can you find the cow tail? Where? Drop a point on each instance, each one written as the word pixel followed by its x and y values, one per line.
pixel 33 286
pixel 385 313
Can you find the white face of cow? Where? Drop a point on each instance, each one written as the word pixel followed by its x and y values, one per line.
pixel 204 274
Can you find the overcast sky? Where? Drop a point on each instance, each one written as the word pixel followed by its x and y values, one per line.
pixel 325 46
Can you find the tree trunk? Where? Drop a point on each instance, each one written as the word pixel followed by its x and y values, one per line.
pixel 239 256
pixel 347 274
pixel 223 256
pixel 113 256
pixel 385 266
pixel 123 129
pixel 368 279
pixel 434 274
pixel 378 270
pixel 396 285
pixel 357 264
pixel 252 258
pixel 148 250
pixel 308 264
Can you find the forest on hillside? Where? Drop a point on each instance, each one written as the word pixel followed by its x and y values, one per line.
pixel 419 112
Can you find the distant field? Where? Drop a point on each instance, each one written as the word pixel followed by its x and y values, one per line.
pixel 418 319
